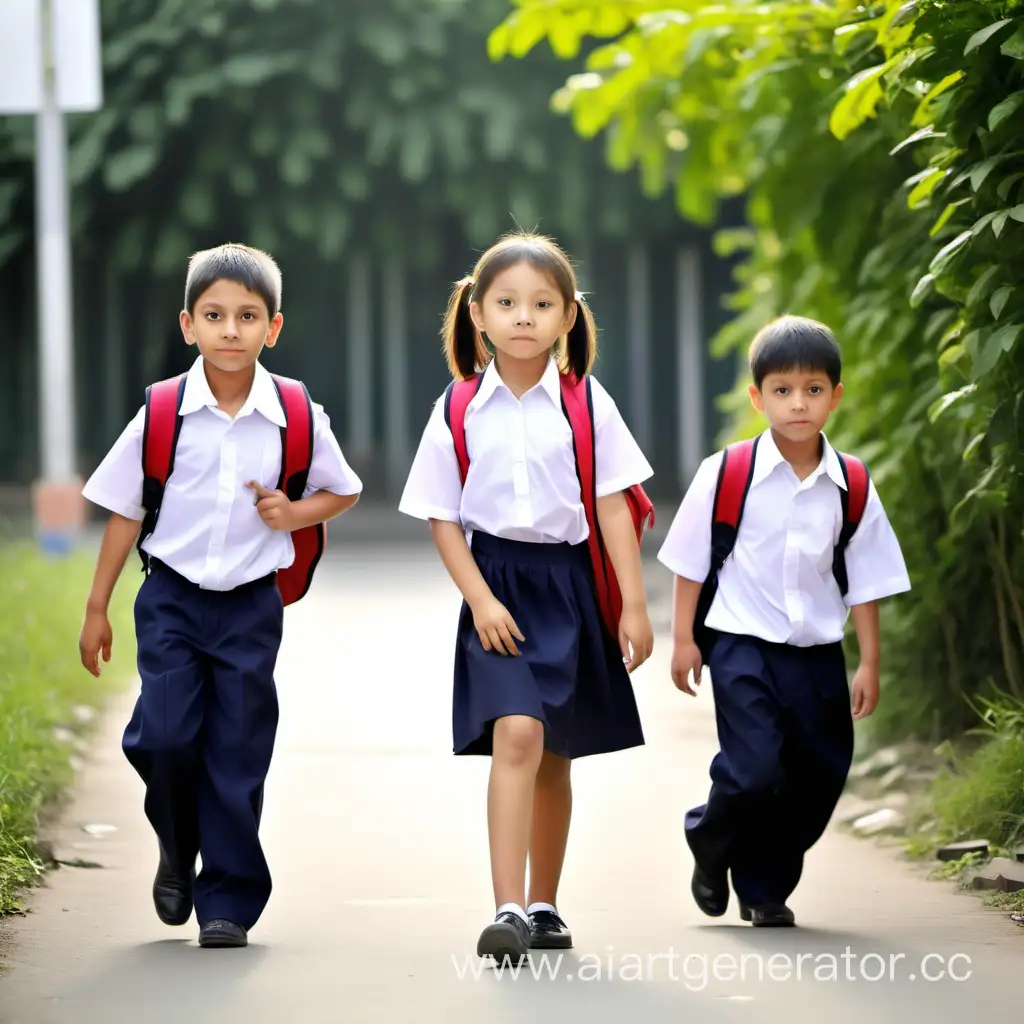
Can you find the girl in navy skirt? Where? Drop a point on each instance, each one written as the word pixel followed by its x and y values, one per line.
pixel 539 679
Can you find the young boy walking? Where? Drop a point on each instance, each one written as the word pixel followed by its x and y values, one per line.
pixel 766 574
pixel 209 614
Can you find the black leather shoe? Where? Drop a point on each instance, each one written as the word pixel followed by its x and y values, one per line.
pixel 172 894
pixel 772 915
pixel 549 931
pixel 711 892
pixel 744 911
pixel 507 936
pixel 221 934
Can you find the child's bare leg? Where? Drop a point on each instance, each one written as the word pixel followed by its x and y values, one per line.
pixel 552 809
pixel 518 745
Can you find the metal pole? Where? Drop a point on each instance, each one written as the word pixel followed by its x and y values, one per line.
pixel 638 361
pixel 57 494
pixel 690 340
pixel 115 375
pixel 360 358
pixel 396 362
pixel 54 274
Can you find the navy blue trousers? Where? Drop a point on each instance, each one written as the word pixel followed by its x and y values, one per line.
pixel 785 730
pixel 202 732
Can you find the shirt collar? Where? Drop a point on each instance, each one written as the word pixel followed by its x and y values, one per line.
pixel 549 381
pixel 262 397
pixel 769 458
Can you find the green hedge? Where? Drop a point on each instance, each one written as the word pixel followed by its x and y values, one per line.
pixel 877 146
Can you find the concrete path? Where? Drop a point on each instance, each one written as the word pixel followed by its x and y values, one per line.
pixel 377 839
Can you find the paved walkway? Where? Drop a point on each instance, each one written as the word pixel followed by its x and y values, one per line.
pixel 376 836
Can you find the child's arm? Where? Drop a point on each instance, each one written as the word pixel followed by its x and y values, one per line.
pixel 875 570
pixel 332 487
pixel 116 485
pixel 865 680
pixel 494 624
pixel 687 553
pixel 618 465
pixel 619 535
pixel 686 656
pixel 321 507
pixel 96 636
pixel 433 493
pixel 281 514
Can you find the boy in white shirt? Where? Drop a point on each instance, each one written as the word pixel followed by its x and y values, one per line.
pixel 209 613
pixel 770 623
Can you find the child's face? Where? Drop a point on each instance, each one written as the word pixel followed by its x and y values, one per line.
pixel 230 326
pixel 522 314
pixel 797 402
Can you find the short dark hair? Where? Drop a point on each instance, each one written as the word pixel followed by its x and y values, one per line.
pixel 795 343
pixel 249 267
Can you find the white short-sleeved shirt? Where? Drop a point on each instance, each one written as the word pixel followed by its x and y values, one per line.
pixel 522 482
pixel 778 583
pixel 209 530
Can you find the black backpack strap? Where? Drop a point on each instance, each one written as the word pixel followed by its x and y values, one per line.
pixel 854 499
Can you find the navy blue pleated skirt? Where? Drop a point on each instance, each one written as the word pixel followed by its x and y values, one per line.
pixel 569 673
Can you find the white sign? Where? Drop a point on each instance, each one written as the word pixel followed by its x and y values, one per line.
pixel 79 54
pixel 21 71
pixel 76 55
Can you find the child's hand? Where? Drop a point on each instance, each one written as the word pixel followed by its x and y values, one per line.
pixel 686 658
pixel 274 507
pixel 865 691
pixel 496 627
pixel 96 636
pixel 635 630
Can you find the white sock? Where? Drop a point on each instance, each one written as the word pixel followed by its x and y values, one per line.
pixel 514 908
pixel 534 907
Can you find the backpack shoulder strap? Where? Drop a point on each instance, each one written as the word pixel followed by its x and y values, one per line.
pixel 159 439
pixel 577 404
pixel 855 497
pixel 734 477
pixel 296 436
pixel 162 425
pixel 457 397
pixel 854 500
pixel 578 407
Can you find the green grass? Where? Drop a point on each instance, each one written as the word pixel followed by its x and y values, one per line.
pixel 982 794
pixel 978 795
pixel 959 870
pixel 1009 901
pixel 42 682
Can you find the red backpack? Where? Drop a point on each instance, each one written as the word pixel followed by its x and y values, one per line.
pixel 734 477
pixel 577 405
pixel 160 437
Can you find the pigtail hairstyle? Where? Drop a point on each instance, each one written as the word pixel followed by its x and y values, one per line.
pixel 463 344
pixel 581 341
pixel 463 347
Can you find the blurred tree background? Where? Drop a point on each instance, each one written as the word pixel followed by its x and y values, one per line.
pixel 374 149
pixel 877 149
